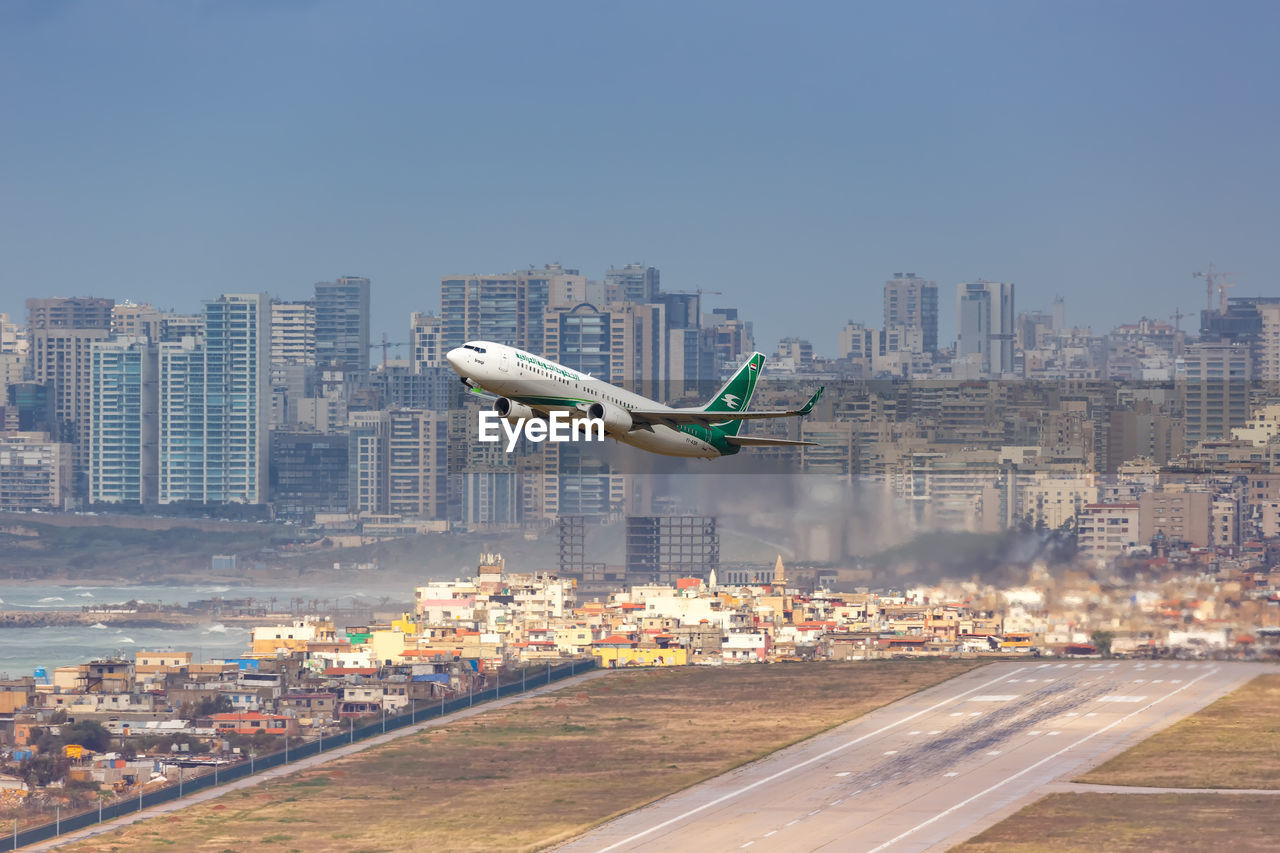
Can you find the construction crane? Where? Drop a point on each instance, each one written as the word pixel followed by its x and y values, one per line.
pixel 1213 278
pixel 1222 296
pixel 1176 317
pixel 386 345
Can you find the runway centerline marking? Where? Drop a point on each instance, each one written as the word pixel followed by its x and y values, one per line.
pixel 786 770
pixel 1006 780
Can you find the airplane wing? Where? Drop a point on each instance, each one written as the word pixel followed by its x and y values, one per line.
pixel 750 441
pixel 704 416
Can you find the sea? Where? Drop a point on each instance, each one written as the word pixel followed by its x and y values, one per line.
pixel 23 650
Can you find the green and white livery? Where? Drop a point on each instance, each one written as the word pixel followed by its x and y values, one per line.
pixel 527 386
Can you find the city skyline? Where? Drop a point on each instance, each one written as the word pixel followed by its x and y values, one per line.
pixel 1075 153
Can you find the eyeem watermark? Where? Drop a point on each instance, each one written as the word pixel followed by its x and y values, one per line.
pixel 558 426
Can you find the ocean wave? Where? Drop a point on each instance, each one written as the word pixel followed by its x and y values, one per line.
pixel 216 628
pixel 86 595
pixel 49 598
pixel 128 640
pixel 98 626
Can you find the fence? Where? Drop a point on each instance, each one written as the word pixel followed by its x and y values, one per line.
pixel 417 713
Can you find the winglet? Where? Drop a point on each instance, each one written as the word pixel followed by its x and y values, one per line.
pixel 808 407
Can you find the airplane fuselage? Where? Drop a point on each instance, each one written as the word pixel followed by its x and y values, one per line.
pixel 544 386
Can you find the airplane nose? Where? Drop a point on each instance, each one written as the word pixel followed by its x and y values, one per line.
pixel 454 357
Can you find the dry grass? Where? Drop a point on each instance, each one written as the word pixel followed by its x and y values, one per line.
pixel 543 770
pixel 1064 823
pixel 1232 743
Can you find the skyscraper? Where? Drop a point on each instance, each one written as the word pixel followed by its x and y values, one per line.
pixel 506 309
pixel 1215 388
pixel 62 334
pixel 293 333
pixel 124 422
pixel 369 469
pixel 214 406
pixel 342 323
pixel 912 302
pixel 985 322
pixel 633 283
pixel 418 464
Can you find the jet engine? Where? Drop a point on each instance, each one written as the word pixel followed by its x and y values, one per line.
pixel 617 420
pixel 511 412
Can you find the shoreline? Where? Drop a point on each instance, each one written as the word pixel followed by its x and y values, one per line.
pixel 159 619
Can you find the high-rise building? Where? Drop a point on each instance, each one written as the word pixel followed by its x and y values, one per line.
pixel 912 302
pixel 368 469
pixel 504 309
pixel 14 338
pixel 13 368
pixel 124 422
pixel 35 472
pixel 342 323
pixel 214 401
pixel 580 337
pixel 857 341
pixel 62 334
pixel 308 474
pixel 131 320
pixel 1267 365
pixel 633 283
pixel 418 463
pixel 426 337
pixel 1214 382
pixel 798 350
pixel 293 333
pixel 662 548
pixel 985 322
pixel 732 339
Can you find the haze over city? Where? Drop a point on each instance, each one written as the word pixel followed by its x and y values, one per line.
pixel 165 152
pixel 919 375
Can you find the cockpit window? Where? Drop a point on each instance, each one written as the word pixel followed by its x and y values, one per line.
pixel 473 347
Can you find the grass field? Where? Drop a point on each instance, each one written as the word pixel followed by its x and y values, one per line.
pixel 543 770
pixel 1064 823
pixel 1233 743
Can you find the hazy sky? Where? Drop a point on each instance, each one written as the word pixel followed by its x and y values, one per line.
pixel 790 155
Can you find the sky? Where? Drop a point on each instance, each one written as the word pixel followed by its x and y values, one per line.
pixel 792 156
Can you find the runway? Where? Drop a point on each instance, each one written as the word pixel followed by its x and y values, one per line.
pixel 931 770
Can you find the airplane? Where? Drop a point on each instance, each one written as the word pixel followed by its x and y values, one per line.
pixel 527 386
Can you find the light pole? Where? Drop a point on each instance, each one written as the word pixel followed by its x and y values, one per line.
pixel 179 781
pixel 57 820
pixel 351 729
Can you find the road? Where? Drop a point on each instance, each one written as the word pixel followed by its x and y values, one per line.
pixel 933 769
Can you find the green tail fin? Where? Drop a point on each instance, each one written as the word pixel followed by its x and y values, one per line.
pixel 735 396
